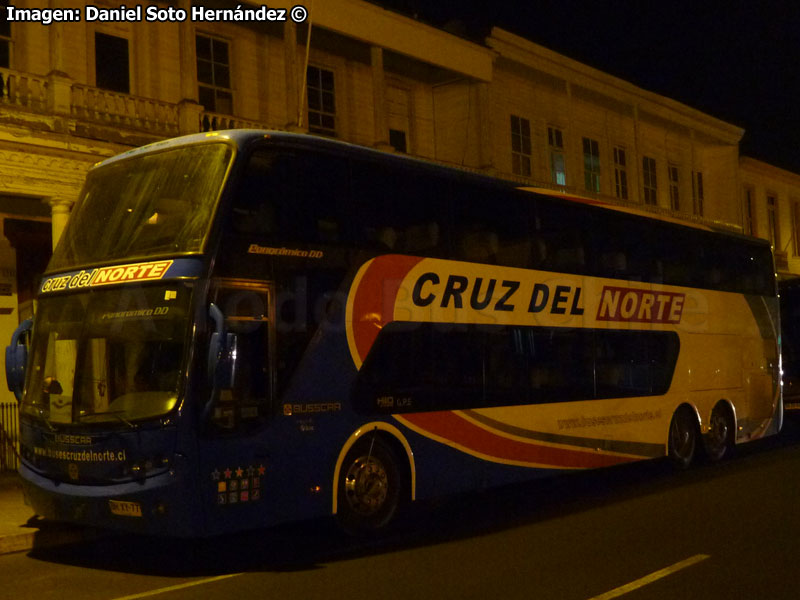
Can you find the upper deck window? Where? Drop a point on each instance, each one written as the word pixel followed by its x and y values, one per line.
pixel 153 204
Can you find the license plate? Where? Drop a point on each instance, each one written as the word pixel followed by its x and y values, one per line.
pixel 125 509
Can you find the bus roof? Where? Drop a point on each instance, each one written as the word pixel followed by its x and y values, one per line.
pixel 243 137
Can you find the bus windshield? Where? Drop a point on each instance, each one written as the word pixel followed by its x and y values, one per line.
pixel 108 355
pixel 153 204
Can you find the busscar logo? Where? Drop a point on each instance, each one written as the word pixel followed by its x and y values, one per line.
pixel 304 409
pixel 640 306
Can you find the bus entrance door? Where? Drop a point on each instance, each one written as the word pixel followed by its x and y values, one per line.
pixel 233 455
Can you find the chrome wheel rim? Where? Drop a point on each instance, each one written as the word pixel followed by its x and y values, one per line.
pixel 719 430
pixel 681 438
pixel 366 485
pixel 717 439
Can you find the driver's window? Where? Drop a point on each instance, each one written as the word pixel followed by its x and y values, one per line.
pixel 246 309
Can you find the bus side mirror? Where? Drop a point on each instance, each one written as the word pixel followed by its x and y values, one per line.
pixel 17 359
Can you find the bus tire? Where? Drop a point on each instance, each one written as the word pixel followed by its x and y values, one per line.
pixel 683 437
pixel 718 442
pixel 369 487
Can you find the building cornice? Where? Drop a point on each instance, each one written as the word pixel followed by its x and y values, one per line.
pixel 378 26
pixel 750 165
pixel 515 48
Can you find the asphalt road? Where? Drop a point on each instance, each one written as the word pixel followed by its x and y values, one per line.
pixel 639 532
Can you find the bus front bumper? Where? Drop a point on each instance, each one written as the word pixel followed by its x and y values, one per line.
pixel 157 505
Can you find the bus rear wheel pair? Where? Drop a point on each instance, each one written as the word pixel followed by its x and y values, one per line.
pixel 369 487
pixel 685 438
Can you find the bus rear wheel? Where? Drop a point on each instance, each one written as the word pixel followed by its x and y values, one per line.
pixel 718 442
pixel 683 433
pixel 369 487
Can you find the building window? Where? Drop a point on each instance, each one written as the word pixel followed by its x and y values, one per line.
pixel 5 38
pixel 558 170
pixel 796 226
pixel 397 140
pixel 112 70
pixel 620 174
pixel 214 74
pixel 591 165
pixel 520 146
pixel 650 181
pixel 698 195
pixel 321 101
pixel 748 213
pixel 772 222
pixel 674 188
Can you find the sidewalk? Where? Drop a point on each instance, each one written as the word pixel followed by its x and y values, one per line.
pixel 21 530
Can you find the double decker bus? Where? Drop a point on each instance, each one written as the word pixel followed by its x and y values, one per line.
pixel 243 328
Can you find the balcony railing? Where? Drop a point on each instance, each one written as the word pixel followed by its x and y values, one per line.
pixel 58 96
pixel 214 122
pixel 23 90
pixel 122 110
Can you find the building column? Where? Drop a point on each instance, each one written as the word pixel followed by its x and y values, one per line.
pixel 59 213
pixel 189 110
pixel 55 32
pixel 485 146
pixel 188 60
pixel 381 126
pixel 59 89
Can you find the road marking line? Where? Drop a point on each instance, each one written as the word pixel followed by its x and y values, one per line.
pixel 633 585
pixel 180 586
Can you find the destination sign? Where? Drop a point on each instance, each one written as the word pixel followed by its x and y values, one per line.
pixel 121 274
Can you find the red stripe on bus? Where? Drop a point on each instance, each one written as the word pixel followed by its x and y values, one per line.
pixel 373 305
pixel 454 428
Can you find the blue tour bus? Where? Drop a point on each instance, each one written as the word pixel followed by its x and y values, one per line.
pixel 243 328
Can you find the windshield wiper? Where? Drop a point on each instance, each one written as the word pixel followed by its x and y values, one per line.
pixel 42 418
pixel 117 414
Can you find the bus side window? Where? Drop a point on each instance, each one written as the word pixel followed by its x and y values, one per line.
pixel 561 365
pixel 565 230
pixel 420 238
pixel 322 210
pixel 293 198
pixel 397 209
pixel 634 363
pixel 266 178
pixel 497 236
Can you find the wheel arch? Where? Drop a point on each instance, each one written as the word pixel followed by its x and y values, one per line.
pixel 392 436
pixel 704 425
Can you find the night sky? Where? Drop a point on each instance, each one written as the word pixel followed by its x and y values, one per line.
pixel 737 61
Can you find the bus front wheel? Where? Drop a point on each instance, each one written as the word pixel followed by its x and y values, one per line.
pixel 683 433
pixel 368 488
